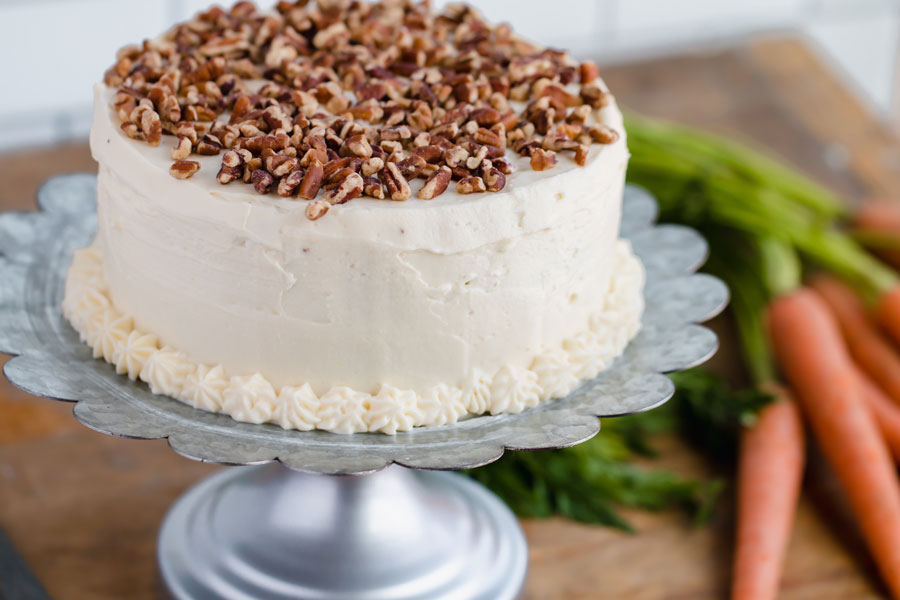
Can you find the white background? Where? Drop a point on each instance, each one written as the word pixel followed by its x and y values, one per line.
pixel 55 49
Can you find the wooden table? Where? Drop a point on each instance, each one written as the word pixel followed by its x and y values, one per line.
pixel 84 508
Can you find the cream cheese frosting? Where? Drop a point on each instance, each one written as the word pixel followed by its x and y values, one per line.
pixel 408 294
pixel 341 409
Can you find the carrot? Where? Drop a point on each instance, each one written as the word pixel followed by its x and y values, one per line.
pixel 883 215
pixel 809 348
pixel 884 410
pixel 887 312
pixel 769 474
pixel 870 349
pixel 877 225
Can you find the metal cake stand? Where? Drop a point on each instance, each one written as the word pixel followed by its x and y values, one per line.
pixel 399 529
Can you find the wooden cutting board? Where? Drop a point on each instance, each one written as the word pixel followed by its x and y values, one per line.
pixel 83 508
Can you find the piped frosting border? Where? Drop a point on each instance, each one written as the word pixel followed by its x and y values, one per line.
pixel 251 398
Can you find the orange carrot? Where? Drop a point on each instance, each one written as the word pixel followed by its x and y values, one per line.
pixel 877 225
pixel 887 312
pixel 884 410
pixel 870 349
pixel 883 215
pixel 769 475
pixel 808 344
pixel 880 219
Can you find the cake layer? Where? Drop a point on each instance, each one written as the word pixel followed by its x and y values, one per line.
pixel 252 398
pixel 407 294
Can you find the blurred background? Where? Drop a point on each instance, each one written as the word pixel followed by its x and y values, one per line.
pixel 857 38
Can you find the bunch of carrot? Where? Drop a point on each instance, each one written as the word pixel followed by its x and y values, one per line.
pixel 834 340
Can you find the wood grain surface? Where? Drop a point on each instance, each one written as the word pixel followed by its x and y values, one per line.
pixel 84 509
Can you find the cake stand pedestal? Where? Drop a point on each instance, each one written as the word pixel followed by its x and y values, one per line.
pixel 327 516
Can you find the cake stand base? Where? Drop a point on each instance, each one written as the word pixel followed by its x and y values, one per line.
pixel 268 532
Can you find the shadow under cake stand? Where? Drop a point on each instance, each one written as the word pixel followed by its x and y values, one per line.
pixel 326 516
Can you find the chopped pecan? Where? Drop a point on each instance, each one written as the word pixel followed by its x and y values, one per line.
pixel 372 187
pixel 184 169
pixel 542 160
pixel 581 154
pixel 488 137
pixel 289 183
pixel 317 209
pixel 436 184
pixel 182 149
pixel 224 45
pixel 228 174
pixel 371 166
pixel 396 184
pixel 411 166
pixel 593 96
pixel 312 180
pixel 494 180
pixel 485 117
pixel 455 156
pixel 357 145
pixel 558 143
pixel 151 127
pixel 504 166
pixel 209 145
pixel 280 165
pixel 603 134
pixel 262 180
pixel 348 189
pixel 431 153
pixel 587 72
pixel 470 185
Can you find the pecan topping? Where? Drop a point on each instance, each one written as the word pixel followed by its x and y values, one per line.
pixel 358 145
pixel 372 187
pixel 470 185
pixel 541 159
pixel 436 184
pixel 261 180
pixel 397 186
pixel 494 180
pixel 312 181
pixel 182 149
pixel 357 98
pixel 316 209
pixel 348 189
pixel 228 174
pixel 411 166
pixel 288 184
pixel 184 169
pixel 209 145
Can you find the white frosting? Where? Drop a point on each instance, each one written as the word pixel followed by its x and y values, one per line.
pixel 250 398
pixel 407 294
pixel 392 410
pixel 441 405
pixel 132 354
pixel 341 409
pixel 204 388
pixel 166 371
pixel 555 375
pixel 513 390
pixel 298 408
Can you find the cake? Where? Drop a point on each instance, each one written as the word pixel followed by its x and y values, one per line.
pixel 355 217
